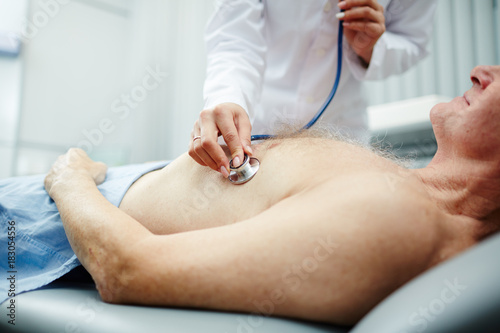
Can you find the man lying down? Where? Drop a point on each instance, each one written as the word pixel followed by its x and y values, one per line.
pixel 325 238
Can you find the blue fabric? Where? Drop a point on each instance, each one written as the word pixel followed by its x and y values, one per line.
pixel 42 251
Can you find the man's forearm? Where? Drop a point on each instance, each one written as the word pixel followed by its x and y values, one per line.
pixel 102 236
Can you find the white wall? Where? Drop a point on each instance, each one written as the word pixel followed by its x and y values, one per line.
pixel 11 14
pixel 169 34
pixel 10 96
pixel 75 65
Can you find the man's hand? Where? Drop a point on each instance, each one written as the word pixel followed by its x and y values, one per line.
pixel 364 23
pixel 74 165
pixel 228 120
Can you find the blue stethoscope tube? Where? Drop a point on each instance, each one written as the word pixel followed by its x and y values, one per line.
pixel 243 173
pixel 329 98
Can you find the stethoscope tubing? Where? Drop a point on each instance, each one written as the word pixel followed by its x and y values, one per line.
pixel 243 173
pixel 330 96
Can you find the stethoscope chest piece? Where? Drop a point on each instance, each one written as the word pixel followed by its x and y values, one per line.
pixel 244 172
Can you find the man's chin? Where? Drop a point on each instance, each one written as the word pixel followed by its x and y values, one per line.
pixel 438 112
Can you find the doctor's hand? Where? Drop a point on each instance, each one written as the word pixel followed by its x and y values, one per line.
pixel 229 120
pixel 364 24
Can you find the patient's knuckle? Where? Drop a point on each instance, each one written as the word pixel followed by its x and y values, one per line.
pixel 71 151
pixel 47 181
pixel 102 166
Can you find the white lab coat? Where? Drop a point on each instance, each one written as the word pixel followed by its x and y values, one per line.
pixel 278 59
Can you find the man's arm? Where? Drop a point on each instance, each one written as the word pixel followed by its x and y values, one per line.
pixel 307 256
pixel 100 234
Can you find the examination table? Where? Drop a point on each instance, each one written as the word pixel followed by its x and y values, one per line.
pixel 460 295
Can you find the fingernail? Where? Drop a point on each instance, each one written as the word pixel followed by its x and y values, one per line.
pixel 340 15
pixel 236 162
pixel 249 150
pixel 342 4
pixel 224 172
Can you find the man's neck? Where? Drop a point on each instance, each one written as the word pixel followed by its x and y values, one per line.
pixel 465 188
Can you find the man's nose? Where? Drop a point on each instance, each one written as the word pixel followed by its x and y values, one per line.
pixel 482 76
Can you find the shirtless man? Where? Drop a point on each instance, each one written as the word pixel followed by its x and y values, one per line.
pixel 323 232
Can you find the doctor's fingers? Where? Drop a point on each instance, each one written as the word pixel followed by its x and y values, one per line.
pixel 196 150
pixel 205 158
pixel 201 156
pixel 195 133
pixel 364 14
pixel 371 29
pixel 209 149
pixel 348 4
pixel 232 135
pixel 244 127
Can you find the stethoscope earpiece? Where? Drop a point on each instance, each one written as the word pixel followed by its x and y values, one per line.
pixel 243 173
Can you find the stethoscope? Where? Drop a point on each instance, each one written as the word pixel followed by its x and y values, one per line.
pixel 245 172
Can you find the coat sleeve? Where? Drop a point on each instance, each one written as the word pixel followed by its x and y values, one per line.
pixel 408 29
pixel 236 50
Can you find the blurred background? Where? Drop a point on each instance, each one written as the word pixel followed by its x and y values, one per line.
pixel 123 78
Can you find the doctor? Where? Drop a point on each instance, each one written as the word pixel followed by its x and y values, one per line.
pixel 272 62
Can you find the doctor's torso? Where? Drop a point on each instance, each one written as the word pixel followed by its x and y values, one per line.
pixel 301 65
